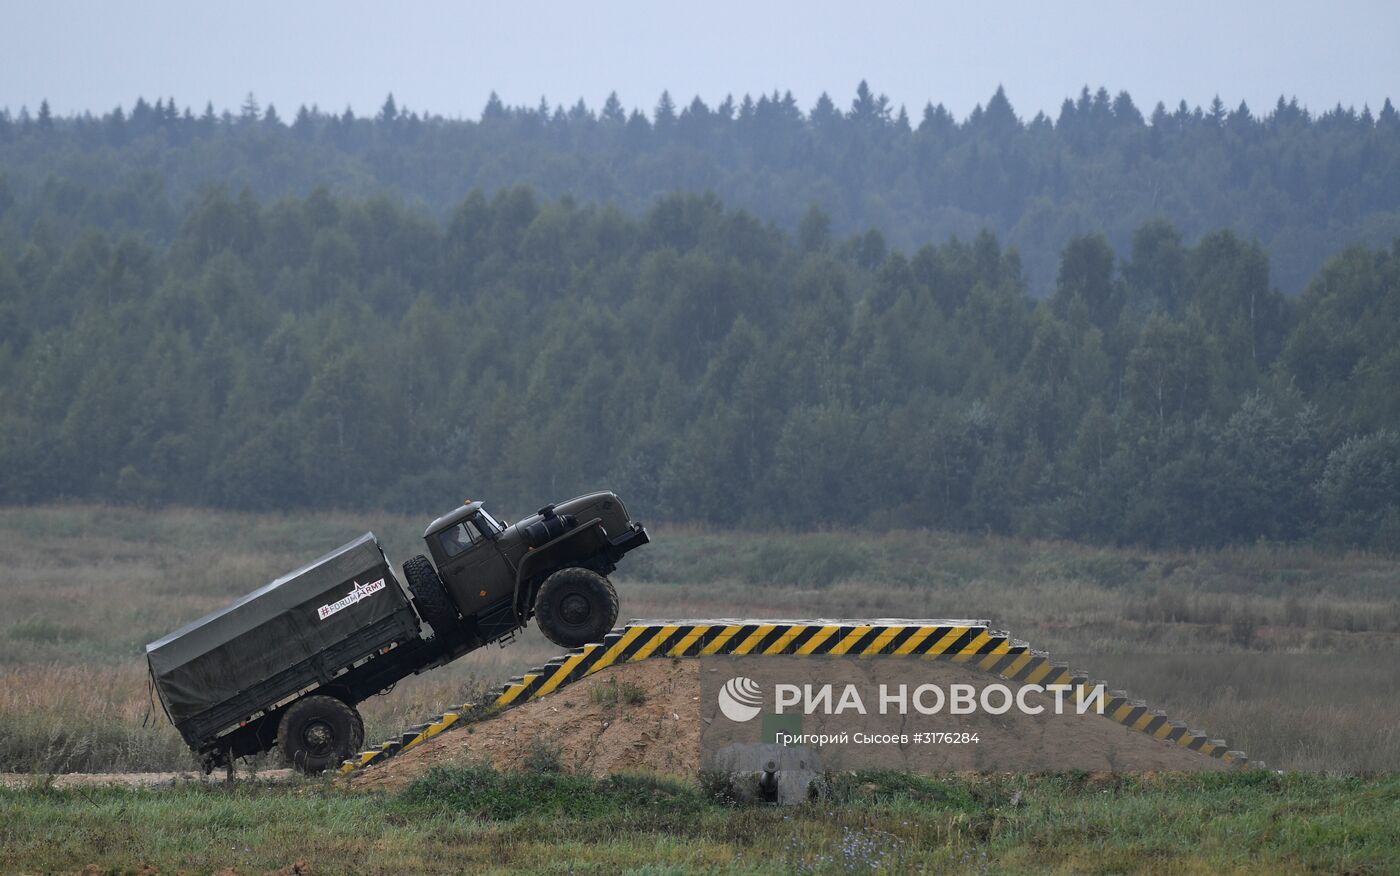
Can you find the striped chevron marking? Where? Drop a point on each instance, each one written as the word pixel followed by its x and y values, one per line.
pixel 969 642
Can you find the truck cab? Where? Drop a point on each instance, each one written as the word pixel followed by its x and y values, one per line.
pixel 464 547
pixel 486 577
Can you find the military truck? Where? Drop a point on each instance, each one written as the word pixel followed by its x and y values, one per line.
pixel 286 665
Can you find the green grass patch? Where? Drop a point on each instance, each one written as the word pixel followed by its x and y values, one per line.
pixel 1254 822
pixel 484 793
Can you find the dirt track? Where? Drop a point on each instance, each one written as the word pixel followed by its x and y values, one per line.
pixel 134 780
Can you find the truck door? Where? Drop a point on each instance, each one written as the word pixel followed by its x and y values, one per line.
pixel 478 577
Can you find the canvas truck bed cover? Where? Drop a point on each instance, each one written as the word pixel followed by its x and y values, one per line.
pixel 287 622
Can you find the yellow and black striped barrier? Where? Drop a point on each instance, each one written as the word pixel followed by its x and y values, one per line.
pixel 970 642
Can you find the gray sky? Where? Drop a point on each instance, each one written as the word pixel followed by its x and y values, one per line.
pixel 447 57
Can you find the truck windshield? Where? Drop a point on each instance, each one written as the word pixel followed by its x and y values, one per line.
pixel 486 523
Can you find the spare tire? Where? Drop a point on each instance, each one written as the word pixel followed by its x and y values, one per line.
pixel 576 606
pixel 318 732
pixel 430 596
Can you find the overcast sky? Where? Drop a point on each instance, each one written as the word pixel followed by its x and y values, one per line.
pixel 447 57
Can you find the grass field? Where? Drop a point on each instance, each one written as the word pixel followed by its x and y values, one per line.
pixel 476 820
pixel 85 588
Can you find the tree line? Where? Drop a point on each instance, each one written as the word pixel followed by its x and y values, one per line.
pixel 1305 185
pixel 326 351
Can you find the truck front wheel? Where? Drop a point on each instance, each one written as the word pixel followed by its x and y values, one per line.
pixel 576 606
pixel 319 732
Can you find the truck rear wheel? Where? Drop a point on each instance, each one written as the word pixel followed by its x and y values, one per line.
pixel 576 606
pixel 429 594
pixel 319 732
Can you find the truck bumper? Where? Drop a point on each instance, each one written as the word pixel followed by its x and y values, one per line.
pixel 634 537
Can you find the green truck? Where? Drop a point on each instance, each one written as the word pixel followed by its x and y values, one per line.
pixel 286 665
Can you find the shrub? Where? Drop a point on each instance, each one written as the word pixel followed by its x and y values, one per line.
pixel 542 757
pixel 613 692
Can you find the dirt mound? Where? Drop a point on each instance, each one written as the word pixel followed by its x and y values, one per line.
pixel 646 716
pixel 642 716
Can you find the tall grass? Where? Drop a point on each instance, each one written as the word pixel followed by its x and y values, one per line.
pixel 84 719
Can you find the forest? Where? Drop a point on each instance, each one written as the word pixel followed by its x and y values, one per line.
pixel 341 351
pixel 1304 184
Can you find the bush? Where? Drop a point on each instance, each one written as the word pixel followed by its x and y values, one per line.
pixel 542 757
pixel 613 692
pixel 1242 630
pixel 717 786
pixel 1358 490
